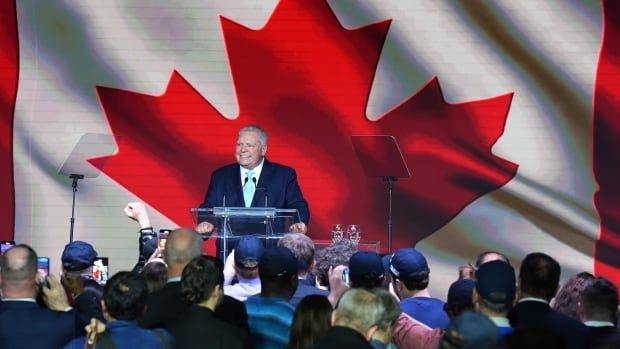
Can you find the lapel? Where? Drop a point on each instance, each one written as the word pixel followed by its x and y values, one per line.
pixel 263 183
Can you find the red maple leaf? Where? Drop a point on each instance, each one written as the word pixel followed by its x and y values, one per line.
pixel 306 80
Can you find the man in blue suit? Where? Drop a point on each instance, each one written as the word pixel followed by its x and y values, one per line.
pixel 254 181
pixel 24 323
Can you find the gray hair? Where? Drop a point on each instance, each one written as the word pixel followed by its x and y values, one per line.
pixel 359 309
pixel 262 135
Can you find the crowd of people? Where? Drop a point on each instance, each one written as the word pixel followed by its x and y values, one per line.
pixel 291 296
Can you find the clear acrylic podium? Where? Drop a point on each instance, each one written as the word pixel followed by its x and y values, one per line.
pixel 267 223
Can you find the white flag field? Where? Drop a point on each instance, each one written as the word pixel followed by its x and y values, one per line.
pixel 138 82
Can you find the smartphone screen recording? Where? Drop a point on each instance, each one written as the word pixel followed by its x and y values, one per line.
pixel 43 269
pixel 101 270
pixel 5 245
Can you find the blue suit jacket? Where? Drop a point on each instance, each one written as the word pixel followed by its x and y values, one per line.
pixel 25 325
pixel 277 187
pixel 537 314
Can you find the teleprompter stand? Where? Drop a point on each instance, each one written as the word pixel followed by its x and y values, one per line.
pixel 76 167
pixel 381 157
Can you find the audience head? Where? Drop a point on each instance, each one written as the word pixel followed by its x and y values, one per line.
pixel 18 272
pixel 182 246
pixel 278 272
pixel 470 331
pixel 302 247
pixel 495 288
pixel 311 321
pixel 124 296
pixel 599 301
pixel 332 256
pixel 359 310
pixel 539 276
pixel 460 297
pixel 78 257
pixel 366 270
pixel 155 274
pixel 569 295
pixel 202 282
pixel 410 271
pixel 488 256
pixel 248 251
pixel 391 313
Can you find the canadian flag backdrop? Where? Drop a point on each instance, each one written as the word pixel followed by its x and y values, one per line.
pixel 505 113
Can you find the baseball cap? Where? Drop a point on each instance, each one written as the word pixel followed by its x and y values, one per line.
pixel 496 282
pixel 470 331
pixel 276 262
pixel 408 263
pixel 365 265
pixel 248 251
pixel 460 292
pixel 78 255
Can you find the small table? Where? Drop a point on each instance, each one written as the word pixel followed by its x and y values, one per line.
pixel 372 246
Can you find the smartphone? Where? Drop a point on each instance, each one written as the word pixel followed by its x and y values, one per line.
pixel 163 236
pixel 345 275
pixel 5 245
pixel 101 270
pixel 43 269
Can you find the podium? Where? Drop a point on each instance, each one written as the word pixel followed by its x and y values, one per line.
pixel 230 223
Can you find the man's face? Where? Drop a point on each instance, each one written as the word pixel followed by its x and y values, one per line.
pixel 249 150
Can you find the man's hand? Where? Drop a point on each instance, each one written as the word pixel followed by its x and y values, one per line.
pixel 467 271
pixel 94 329
pixel 204 228
pixel 229 268
pixel 337 287
pixel 54 295
pixel 137 212
pixel 298 228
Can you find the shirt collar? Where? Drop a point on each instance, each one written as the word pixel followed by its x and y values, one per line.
pixel 19 300
pixel 500 321
pixel 256 171
pixel 598 323
pixel 174 279
pixel 533 299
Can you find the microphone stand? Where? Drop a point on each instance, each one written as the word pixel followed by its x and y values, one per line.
pixel 74 185
pixel 390 180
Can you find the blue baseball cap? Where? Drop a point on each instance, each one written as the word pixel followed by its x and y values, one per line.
pixel 78 255
pixel 365 265
pixel 277 261
pixel 408 263
pixel 248 251
pixel 496 282
pixel 460 292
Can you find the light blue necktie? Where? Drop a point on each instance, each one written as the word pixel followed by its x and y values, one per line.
pixel 248 189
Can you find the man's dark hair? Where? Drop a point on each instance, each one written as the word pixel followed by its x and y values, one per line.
pixel 600 300
pixel 155 274
pixel 539 275
pixel 417 282
pixel 368 281
pixel 13 271
pixel 200 277
pixel 125 296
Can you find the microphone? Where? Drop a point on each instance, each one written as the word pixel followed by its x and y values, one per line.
pixel 253 180
pixel 245 181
